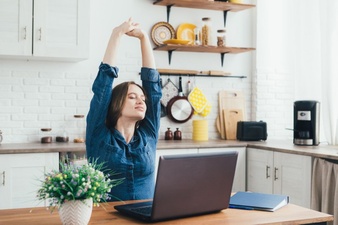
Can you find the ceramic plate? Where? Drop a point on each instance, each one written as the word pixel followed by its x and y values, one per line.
pixel 162 31
pixel 185 31
pixel 177 42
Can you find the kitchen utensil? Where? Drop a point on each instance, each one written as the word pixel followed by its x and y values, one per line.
pixel 206 111
pixel 169 91
pixel 231 117
pixel 179 108
pixel 218 123
pixel 229 100
pixel 197 99
pixel 162 31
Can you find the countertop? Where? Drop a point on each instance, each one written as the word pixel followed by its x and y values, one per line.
pixel 289 214
pixel 322 150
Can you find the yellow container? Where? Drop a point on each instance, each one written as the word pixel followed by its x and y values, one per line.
pixel 200 130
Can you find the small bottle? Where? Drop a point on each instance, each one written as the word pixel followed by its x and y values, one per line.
pixel 221 38
pixel 0 136
pixel 197 36
pixel 168 134
pixel 177 134
pixel 206 31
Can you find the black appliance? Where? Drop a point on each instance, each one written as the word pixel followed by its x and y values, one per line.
pixel 251 131
pixel 306 122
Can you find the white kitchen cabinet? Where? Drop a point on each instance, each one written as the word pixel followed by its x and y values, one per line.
pixel 239 183
pixel 280 173
pixel 20 178
pixel 44 29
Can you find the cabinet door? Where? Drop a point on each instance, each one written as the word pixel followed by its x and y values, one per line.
pixel 21 176
pixel 280 173
pixel 61 29
pixel 293 177
pixel 259 170
pixel 240 174
pixel 16 27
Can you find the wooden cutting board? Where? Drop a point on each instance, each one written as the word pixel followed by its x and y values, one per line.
pixel 231 117
pixel 229 100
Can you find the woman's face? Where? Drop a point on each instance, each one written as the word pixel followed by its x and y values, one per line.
pixel 134 105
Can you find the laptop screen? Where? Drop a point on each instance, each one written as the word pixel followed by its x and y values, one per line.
pixel 193 184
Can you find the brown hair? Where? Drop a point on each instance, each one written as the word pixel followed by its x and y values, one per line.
pixel 119 95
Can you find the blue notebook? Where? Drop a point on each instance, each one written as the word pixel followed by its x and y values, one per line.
pixel 258 201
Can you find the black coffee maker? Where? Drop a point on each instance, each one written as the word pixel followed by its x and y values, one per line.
pixel 306 122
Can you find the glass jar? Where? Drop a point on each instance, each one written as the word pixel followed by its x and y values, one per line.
pixel 197 36
pixel 206 31
pixel 46 135
pixel 80 125
pixel 221 38
pixel 62 137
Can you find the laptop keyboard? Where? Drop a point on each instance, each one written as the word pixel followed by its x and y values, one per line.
pixel 143 210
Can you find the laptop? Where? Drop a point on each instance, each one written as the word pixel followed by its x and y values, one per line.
pixel 187 185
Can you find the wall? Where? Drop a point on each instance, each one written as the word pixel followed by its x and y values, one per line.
pixel 37 94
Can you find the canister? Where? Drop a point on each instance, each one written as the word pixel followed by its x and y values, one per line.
pixel 206 31
pixel 221 38
pixel 200 130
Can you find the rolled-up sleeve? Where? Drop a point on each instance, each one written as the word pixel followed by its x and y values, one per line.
pixel 151 84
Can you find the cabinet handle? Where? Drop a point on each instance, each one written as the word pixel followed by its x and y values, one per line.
pixel 3 178
pixel 267 170
pixel 25 33
pixel 276 170
pixel 40 31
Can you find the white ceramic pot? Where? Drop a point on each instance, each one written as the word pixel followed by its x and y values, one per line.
pixel 76 212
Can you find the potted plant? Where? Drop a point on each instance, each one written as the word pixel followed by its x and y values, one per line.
pixel 75 189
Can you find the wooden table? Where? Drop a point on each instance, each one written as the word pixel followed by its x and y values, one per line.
pixel 289 214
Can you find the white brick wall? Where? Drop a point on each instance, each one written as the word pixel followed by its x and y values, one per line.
pixel 38 94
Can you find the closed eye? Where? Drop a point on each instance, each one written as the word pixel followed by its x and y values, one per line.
pixel 134 96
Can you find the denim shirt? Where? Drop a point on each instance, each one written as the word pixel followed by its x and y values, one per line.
pixel 133 161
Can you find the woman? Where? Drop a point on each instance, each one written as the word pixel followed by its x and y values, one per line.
pixel 123 123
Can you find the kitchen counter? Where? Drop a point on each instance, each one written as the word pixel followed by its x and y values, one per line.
pixel 322 151
pixel 80 147
pixel 289 214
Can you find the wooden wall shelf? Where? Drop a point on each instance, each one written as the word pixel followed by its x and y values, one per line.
pixel 196 73
pixel 204 4
pixel 170 48
pixel 201 75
